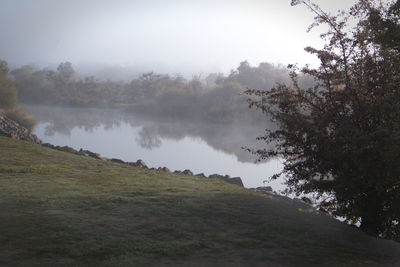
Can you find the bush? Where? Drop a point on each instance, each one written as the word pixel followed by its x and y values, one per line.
pixel 8 92
pixel 20 116
pixel 340 138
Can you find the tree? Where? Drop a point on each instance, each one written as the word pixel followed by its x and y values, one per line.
pixel 340 139
pixel 67 72
pixel 8 92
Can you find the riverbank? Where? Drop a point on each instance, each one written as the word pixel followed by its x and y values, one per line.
pixel 178 145
pixel 62 209
pixel 12 129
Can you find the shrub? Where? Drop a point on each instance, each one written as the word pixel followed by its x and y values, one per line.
pixel 8 92
pixel 340 138
pixel 20 116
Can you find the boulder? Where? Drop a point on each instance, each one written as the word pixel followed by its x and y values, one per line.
pixel 82 152
pixel 67 149
pixel 200 175
pixel 264 189
pixel 48 145
pixel 235 180
pixel 163 169
pixel 89 154
pixel 216 176
pixel 188 172
pixel 140 164
pixel 117 161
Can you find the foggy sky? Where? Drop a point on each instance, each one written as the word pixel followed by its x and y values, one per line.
pixel 162 35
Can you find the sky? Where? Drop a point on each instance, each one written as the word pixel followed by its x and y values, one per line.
pixel 171 36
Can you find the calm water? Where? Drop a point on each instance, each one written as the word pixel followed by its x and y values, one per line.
pixel 178 145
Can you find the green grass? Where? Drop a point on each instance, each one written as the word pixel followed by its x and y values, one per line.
pixel 60 209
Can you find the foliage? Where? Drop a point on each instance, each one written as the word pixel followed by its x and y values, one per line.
pixel 216 98
pixel 62 87
pixel 20 116
pixel 340 138
pixel 8 92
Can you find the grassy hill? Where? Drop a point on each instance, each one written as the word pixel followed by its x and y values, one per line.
pixel 61 209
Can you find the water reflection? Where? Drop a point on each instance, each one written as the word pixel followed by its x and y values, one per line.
pixel 148 138
pixel 229 138
pixel 202 147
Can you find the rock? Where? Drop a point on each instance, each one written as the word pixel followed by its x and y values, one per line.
pixel 235 180
pixel 89 154
pixel 67 149
pixel 264 189
pixel 188 172
pixel 10 128
pixel 216 176
pixel 177 172
pixel 48 145
pixel 82 152
pixel 163 169
pixel 227 178
pixel 117 161
pixel 95 155
pixel 140 164
pixel 200 175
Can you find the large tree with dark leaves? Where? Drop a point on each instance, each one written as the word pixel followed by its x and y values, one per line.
pixel 341 138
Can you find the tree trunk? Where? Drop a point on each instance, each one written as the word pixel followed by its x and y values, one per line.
pixel 370 225
pixel 370 220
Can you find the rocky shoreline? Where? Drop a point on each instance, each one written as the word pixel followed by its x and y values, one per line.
pixel 266 190
pixel 141 164
pixel 12 129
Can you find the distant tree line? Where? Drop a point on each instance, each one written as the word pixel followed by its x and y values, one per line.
pixel 215 98
pixel 63 87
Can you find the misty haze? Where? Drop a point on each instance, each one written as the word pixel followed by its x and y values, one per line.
pixel 199 133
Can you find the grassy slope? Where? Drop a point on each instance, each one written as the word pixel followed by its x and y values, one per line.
pixel 61 209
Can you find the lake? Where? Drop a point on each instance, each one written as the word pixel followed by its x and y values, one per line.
pixel 176 144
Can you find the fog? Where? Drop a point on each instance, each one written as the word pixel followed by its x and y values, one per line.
pixel 226 138
pixel 175 36
pixel 174 71
pixel 178 144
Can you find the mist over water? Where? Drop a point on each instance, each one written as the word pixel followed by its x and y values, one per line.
pixel 173 61
pixel 177 144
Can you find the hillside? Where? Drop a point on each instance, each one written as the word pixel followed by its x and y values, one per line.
pixel 61 209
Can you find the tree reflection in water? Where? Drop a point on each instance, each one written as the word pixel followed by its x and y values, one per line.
pixel 229 138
